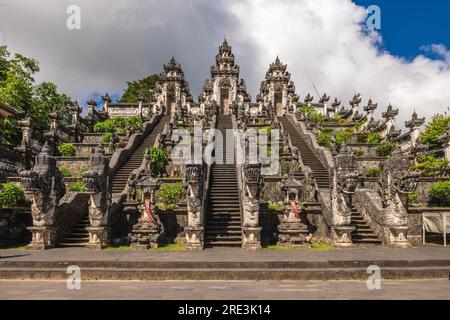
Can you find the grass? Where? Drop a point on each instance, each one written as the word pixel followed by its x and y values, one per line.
pixel 277 248
pixel 322 247
pixel 19 248
pixel 121 248
pixel 168 247
pixel 171 247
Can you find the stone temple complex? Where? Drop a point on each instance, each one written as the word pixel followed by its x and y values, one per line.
pixel 285 169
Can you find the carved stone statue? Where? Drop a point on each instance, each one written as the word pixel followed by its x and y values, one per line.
pixel 194 187
pixel 397 181
pixel 97 181
pixel 252 187
pixel 44 183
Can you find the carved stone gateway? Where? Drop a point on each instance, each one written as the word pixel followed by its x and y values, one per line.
pixel 97 182
pixel 195 229
pixel 293 229
pixel 149 229
pixel 251 231
pixel 44 184
pixel 396 182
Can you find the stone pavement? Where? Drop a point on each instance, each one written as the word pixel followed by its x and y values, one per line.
pixel 358 253
pixel 221 290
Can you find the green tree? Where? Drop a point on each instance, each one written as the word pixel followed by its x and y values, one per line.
pixel 437 127
pixel 16 89
pixel 46 99
pixel 138 89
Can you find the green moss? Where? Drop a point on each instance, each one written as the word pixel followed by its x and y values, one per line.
pixel 171 247
pixel 322 247
pixel 277 248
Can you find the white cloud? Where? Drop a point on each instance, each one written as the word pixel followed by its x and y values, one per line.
pixel 126 40
pixel 326 38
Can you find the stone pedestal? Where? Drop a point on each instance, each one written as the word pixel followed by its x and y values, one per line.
pixel 398 237
pixel 42 238
pixel 98 238
pixel 251 238
pixel 342 236
pixel 145 239
pixel 292 232
pixel 194 238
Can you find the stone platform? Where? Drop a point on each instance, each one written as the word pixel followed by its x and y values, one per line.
pixel 424 262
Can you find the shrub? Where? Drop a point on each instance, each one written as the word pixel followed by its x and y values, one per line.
pixel 159 161
pixel 77 186
pixel 118 125
pixel 324 140
pixel 11 195
pixel 343 122
pixel 440 193
pixel 342 137
pixel 429 165
pixel 275 206
pixel 413 198
pixel 385 149
pixel 373 172
pixel 107 136
pixel 169 195
pixel 105 126
pixel 360 152
pixel 67 150
pixel 316 117
pixel 373 138
pixel 437 127
pixel 65 172
pixel 327 130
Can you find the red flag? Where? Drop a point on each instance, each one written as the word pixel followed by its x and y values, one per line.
pixel 294 208
pixel 149 212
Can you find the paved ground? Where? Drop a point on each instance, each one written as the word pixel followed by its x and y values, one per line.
pixel 167 290
pixel 428 252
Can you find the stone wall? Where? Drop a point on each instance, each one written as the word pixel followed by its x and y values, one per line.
pixel 73 164
pixel 72 207
pixel 13 227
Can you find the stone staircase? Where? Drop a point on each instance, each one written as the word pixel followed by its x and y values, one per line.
pixel 78 237
pixel 120 178
pixel 363 234
pixel 309 158
pixel 223 218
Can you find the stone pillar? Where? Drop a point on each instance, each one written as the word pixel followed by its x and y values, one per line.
pixel 396 182
pixel 44 185
pixel 345 181
pixel 251 230
pixel 97 182
pixel 293 229
pixel 414 124
pixel 195 228
pixel 106 101
pixel 25 145
pixel 147 233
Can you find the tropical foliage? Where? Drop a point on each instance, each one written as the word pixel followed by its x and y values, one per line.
pixel 440 193
pixel 139 89
pixel 169 195
pixel 436 128
pixel 10 195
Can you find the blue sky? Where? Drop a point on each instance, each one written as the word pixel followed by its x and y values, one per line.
pixel 407 25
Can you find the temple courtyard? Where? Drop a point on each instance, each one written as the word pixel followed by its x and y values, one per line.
pixel 186 290
pixel 221 273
